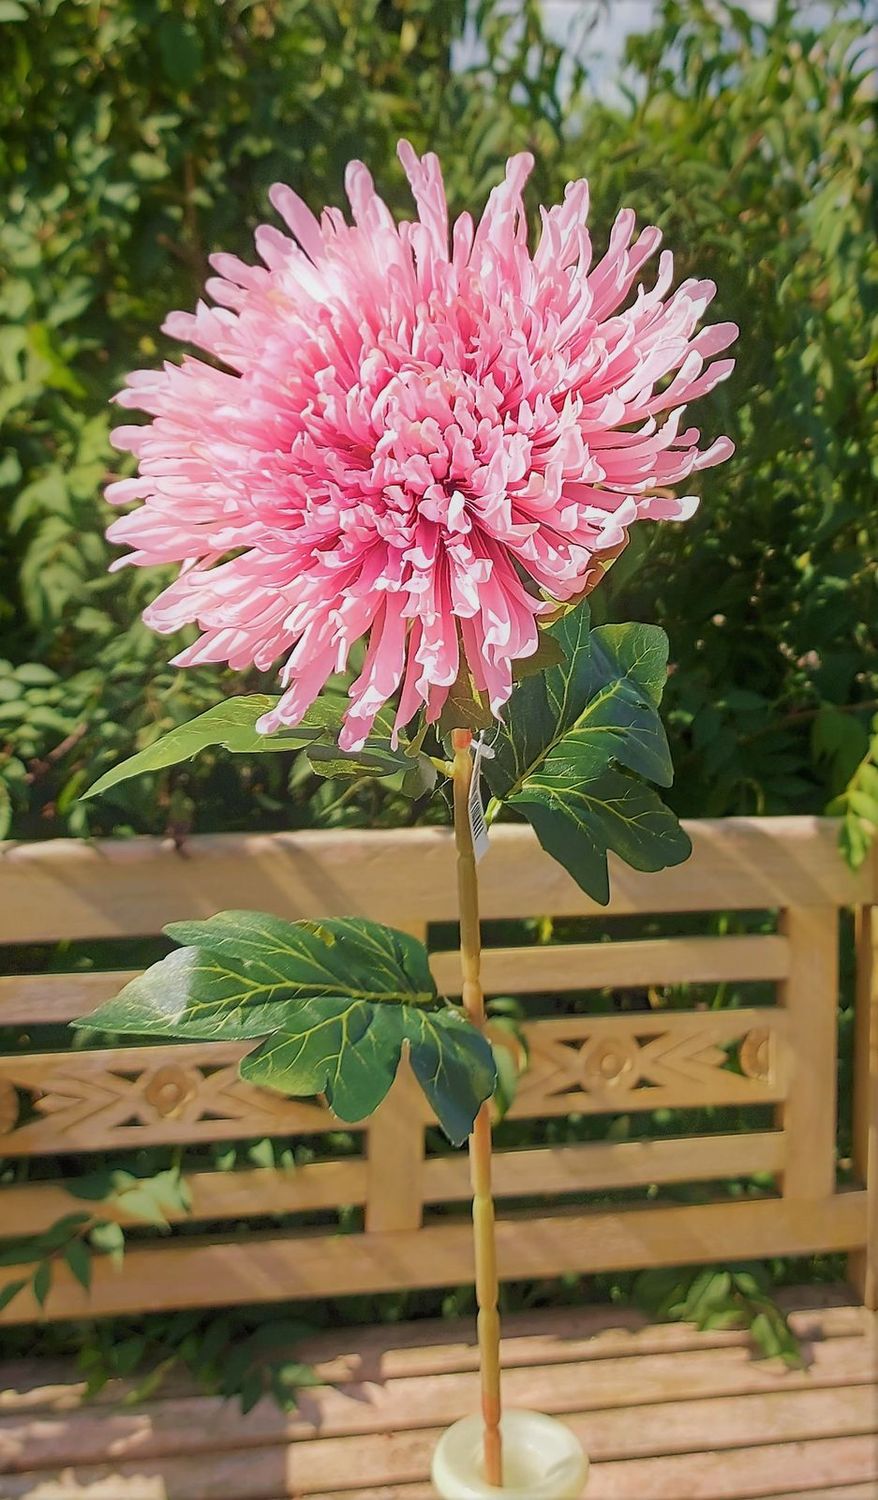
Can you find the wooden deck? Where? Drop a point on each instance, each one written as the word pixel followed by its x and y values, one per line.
pixel 665 1412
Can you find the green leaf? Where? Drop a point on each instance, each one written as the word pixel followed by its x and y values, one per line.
pixel 334 1000
pixel 78 1259
pixel 240 969
pixel 377 758
pixel 252 1390
pixel 294 1376
pixel 549 653
pixel 662 1291
pixel 128 1353
pixel 709 1290
pixel 854 840
pixel 419 779
pixel 454 1065
pixel 350 1051
pixel 42 1282
pixel 578 825
pixel 22 1252
pixel 569 731
pixel 752 1281
pixel 231 725
pixel 731 1316
pixel 181 50
pixel 10 1290
pixel 143 1204
pixel 262 1152
pixel 510 1058
pixel 5 810
pixel 599 703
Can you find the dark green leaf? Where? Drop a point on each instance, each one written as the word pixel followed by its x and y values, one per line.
pixel 78 1259
pixel 598 704
pixel 349 1050
pixel 150 1382
pixel 42 1281
pixel 181 50
pixel 21 1252
pixel 33 1247
pixel 579 824
pixel 567 732
pixel 251 1390
pixel 377 758
pixel 278 1334
pixel 454 1065
pixel 128 1353
pixel 10 1290
pixel 215 1339
pixel 549 653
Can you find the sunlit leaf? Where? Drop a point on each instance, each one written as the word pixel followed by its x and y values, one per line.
pixel 230 725
pixel 335 1002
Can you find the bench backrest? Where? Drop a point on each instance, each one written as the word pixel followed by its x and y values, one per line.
pixel 780 1053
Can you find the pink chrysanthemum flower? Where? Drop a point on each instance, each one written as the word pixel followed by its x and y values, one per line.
pixel 420 442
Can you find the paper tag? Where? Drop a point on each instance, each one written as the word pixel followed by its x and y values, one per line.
pixel 477 826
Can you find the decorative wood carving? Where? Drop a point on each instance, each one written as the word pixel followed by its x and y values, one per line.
pixel 755 1053
pixel 9 1108
pixel 677 1060
pixel 92 1101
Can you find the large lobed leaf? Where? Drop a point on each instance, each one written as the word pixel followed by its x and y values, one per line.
pixel 567 735
pixel 334 1002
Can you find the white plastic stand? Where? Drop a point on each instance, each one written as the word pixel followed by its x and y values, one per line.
pixel 542 1460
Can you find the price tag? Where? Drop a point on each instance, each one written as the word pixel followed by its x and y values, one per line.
pixel 477 826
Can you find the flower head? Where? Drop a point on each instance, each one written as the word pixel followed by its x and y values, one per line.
pixel 420 439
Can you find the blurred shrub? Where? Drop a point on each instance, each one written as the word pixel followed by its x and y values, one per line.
pixel 753 147
pixel 139 136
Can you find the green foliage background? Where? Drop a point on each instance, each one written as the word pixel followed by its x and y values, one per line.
pixel 139 136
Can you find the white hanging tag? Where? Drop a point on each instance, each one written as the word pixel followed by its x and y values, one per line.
pixel 477 826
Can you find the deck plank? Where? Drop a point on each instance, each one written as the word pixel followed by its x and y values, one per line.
pixel 611 1437
pixel 664 1412
pixel 202 1424
pixel 556 1335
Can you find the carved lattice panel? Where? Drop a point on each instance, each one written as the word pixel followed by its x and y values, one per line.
pixel 680 1060
pixel 91 1101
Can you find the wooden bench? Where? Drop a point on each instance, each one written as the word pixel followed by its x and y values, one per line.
pixel 650 1421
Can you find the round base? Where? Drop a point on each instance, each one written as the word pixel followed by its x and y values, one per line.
pixel 542 1460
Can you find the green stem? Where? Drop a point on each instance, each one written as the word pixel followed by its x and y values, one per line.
pixel 487 1293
